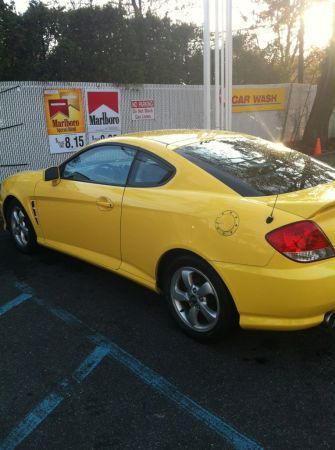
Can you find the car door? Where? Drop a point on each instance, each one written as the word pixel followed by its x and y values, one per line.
pixel 81 214
pixel 148 209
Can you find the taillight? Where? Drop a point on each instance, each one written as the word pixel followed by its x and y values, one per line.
pixel 301 241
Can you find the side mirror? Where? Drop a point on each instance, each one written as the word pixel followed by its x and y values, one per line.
pixel 51 174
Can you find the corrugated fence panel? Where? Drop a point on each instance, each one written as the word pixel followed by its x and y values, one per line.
pixel 26 146
pixel 300 98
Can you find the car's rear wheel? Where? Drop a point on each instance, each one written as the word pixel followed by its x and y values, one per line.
pixel 198 299
pixel 20 227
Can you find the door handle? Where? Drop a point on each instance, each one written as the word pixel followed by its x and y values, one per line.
pixel 104 203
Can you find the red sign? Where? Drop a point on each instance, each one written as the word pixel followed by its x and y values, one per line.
pixel 95 99
pixel 143 104
pixel 103 112
pixel 58 106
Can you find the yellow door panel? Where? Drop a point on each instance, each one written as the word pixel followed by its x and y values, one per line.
pixel 83 218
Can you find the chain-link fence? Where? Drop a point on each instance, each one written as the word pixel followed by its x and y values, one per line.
pixel 24 140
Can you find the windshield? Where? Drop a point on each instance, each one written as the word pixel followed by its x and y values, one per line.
pixel 255 167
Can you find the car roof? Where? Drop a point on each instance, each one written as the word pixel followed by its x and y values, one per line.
pixel 175 137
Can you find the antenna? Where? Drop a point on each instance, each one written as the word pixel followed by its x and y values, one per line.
pixel 269 219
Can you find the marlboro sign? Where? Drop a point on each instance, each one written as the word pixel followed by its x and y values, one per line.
pixel 103 113
pixel 64 113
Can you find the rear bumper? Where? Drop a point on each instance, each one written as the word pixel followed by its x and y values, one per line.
pixel 282 296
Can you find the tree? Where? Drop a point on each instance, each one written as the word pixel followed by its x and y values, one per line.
pixel 318 123
pixel 40 32
pixel 10 33
pixel 284 19
pixel 312 65
pixel 160 8
pixel 26 41
pixel 251 64
pixel 105 44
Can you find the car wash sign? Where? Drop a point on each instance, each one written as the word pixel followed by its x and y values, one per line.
pixel 103 113
pixel 258 99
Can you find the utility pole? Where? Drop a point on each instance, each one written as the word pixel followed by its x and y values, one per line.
pixel 229 65
pixel 223 71
pixel 207 68
pixel 301 38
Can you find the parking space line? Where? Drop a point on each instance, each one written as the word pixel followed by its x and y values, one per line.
pixel 50 403
pixel 15 302
pixel 31 421
pixel 160 384
pixel 153 379
pixel 90 363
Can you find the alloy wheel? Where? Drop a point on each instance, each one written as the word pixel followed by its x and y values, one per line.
pixel 19 228
pixel 195 299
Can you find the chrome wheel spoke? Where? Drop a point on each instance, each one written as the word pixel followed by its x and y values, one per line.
pixel 187 278
pixel 24 228
pixel 21 216
pixel 16 217
pixel 23 238
pixel 208 313
pixel 192 315
pixel 179 295
pixel 205 289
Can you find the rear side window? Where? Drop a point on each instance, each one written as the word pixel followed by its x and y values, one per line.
pixel 149 171
pixel 255 167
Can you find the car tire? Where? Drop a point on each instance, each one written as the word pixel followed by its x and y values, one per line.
pixel 198 299
pixel 20 228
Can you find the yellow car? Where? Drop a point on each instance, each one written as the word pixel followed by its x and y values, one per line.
pixel 232 228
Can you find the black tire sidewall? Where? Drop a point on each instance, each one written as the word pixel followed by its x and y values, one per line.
pixel 228 317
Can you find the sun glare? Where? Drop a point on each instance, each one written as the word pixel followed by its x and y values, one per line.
pixel 318 24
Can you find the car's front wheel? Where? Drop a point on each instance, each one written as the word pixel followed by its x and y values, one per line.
pixel 20 227
pixel 198 299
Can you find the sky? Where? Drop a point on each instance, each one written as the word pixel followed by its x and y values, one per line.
pixel 318 19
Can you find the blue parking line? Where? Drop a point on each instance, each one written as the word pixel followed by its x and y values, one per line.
pixel 35 417
pixel 160 384
pixel 31 421
pixel 90 363
pixel 15 302
pixel 154 380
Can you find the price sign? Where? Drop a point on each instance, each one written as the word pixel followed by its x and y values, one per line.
pixel 63 143
pixel 92 137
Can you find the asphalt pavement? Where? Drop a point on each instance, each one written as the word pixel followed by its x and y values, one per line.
pixel 91 360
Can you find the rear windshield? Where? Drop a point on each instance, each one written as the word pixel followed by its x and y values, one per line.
pixel 254 167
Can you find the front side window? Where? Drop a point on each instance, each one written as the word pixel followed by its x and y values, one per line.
pixel 107 164
pixel 150 171
pixel 255 167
